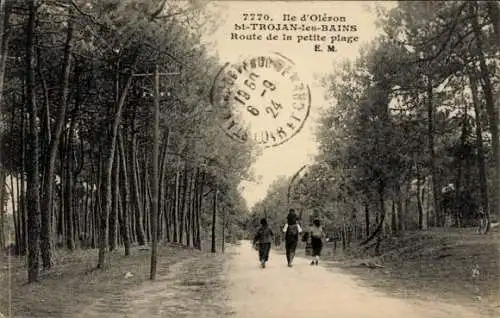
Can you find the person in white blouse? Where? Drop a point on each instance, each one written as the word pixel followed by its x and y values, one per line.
pixel 292 230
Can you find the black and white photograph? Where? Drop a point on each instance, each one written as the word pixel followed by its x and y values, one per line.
pixel 249 159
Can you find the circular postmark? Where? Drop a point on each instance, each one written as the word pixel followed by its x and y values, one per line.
pixel 261 99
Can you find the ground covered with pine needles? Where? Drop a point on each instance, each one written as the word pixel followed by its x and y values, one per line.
pixel 453 265
pixel 74 283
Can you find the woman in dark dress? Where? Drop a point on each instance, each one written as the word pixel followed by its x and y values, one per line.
pixel 317 234
pixel 292 230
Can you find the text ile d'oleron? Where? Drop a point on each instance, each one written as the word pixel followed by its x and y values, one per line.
pixel 323 32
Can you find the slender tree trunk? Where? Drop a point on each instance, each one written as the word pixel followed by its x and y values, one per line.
pixel 155 180
pixel 401 213
pixel 394 223
pixel 15 215
pixel 4 46
pixel 381 192
pixel 21 188
pixel 182 208
pixel 139 228
pixel 432 154
pixel 343 231
pixel 491 109
pixel 214 219
pixel 146 200
pixel 176 204
pixel 380 220
pixel 113 218
pixel 68 193
pixel 460 159
pixel 47 207
pixel 161 195
pixel 85 227
pixel 62 173
pixel 191 205
pixel 125 198
pixel 483 184
pixel 33 182
pixel 3 181
pixel 420 211
pixel 166 211
pixel 5 33
pixel 367 220
pixel 46 133
pixel 223 229
pixel 106 177
pixel 198 210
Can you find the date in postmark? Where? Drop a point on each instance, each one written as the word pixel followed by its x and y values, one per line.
pixel 261 99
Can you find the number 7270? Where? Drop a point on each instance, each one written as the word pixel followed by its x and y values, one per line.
pixel 255 17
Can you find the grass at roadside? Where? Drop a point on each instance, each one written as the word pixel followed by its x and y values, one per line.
pixel 74 283
pixel 431 264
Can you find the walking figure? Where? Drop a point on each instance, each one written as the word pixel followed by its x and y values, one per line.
pixel 317 235
pixel 262 241
pixel 291 230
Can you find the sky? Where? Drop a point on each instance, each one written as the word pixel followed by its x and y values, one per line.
pixel 287 158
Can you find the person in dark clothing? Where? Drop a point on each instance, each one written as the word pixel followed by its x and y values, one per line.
pixel 263 240
pixel 292 230
pixel 317 235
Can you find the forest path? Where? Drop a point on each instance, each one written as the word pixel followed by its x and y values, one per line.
pixel 234 285
pixel 313 291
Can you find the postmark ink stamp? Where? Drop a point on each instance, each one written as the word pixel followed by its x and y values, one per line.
pixel 261 99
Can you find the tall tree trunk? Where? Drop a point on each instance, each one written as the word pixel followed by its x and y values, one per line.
pixel 166 211
pixel 155 179
pixel 491 109
pixel 223 234
pixel 161 195
pixel 431 153
pixel 460 159
pixel 176 203
pixel 33 182
pixel 483 184
pixel 198 210
pixel 125 198
pixel 106 176
pixel 68 193
pixel 21 188
pixel 146 202
pixel 47 203
pixel 401 213
pixel 420 210
pixel 139 228
pixel 367 219
pixel 381 193
pixel 46 133
pixel 15 215
pixel 3 180
pixel 380 220
pixel 191 202
pixel 214 219
pixel 182 208
pixel 61 228
pixel 4 46
pixel 394 224
pixel 113 218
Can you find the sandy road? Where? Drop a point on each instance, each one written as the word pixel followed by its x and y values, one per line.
pixel 305 291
